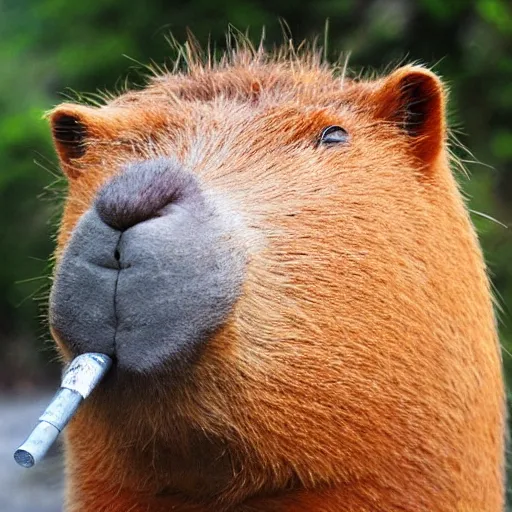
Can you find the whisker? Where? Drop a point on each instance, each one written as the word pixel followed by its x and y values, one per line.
pixel 488 217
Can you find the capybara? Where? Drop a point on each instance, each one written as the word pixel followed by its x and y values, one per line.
pixel 280 262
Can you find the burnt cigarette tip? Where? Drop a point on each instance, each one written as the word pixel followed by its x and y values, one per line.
pixel 36 445
pixel 24 458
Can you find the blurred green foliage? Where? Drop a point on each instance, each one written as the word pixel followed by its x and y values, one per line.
pixel 50 47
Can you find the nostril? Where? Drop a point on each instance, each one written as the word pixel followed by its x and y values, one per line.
pixel 143 190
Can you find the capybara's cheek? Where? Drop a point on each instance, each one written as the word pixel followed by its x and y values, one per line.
pixel 150 272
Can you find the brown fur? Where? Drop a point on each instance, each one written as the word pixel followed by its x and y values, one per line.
pixel 360 370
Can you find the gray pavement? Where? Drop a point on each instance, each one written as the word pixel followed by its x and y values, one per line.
pixel 38 489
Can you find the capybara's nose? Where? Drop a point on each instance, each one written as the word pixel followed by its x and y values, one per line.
pixel 143 190
pixel 152 269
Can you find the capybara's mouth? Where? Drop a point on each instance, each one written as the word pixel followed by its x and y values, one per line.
pixel 149 272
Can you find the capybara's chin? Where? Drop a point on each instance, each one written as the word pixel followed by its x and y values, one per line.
pixel 150 273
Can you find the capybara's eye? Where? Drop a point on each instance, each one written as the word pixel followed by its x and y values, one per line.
pixel 333 135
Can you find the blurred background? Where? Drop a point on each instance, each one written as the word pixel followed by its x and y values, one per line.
pixel 51 50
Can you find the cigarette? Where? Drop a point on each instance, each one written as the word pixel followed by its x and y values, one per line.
pixel 81 377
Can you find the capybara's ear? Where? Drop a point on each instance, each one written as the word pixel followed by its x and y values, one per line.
pixel 73 128
pixel 414 98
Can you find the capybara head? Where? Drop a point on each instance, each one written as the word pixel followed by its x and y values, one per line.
pixel 281 265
